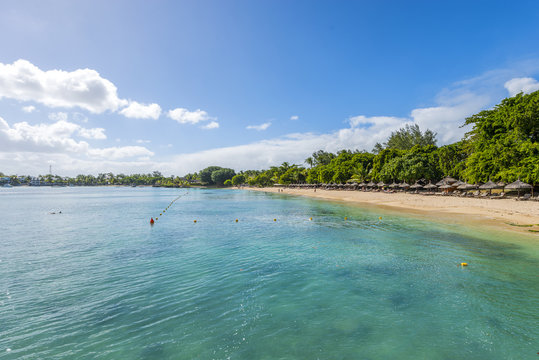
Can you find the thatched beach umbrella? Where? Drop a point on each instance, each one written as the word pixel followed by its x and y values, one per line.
pixel 518 185
pixel 362 184
pixel 404 185
pixel 489 185
pixel 430 186
pixel 371 184
pixel 448 180
pixel 381 184
pixel 417 185
pixel 393 185
pixel 466 186
pixel 458 183
pixel 440 183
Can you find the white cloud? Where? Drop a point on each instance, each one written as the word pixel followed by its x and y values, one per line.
pixel 526 85
pixel 260 127
pixel 211 125
pixel 137 110
pixel 28 109
pixel 184 116
pixel 40 138
pixel 83 88
pixel 59 138
pixel 294 117
pixel 141 141
pixel 95 133
pixel 58 116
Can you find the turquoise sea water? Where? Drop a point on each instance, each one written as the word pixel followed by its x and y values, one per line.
pixel 98 282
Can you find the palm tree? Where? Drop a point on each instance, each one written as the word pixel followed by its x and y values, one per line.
pixel 309 161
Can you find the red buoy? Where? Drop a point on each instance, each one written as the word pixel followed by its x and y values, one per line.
pixel 151 221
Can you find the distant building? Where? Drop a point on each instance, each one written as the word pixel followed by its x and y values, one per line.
pixel 35 182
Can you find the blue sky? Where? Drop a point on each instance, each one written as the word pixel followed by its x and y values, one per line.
pixel 175 86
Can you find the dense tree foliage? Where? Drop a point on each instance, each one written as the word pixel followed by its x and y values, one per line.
pixel 504 141
pixel 205 174
pixel 219 177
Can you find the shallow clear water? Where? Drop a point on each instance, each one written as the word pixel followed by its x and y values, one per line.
pixel 98 282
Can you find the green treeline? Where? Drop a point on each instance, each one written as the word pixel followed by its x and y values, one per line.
pixel 502 145
pixel 154 179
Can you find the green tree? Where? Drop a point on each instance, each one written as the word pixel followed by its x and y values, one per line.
pixel 322 157
pixel 238 179
pixel 205 174
pixel 503 142
pixel 219 176
pixel 406 138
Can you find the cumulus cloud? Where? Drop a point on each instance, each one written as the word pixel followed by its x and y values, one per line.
pixel 211 125
pixel 83 88
pixel 28 109
pixel 525 85
pixel 95 133
pixel 59 137
pixel 40 138
pixel 184 116
pixel 137 110
pixel 260 127
pixel 294 117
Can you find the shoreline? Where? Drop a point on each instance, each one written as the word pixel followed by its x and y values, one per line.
pixel 506 214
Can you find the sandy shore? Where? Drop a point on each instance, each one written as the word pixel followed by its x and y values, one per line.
pixel 504 213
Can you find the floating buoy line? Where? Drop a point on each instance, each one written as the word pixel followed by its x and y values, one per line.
pixel 152 221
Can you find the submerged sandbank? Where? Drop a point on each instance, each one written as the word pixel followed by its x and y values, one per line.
pixel 520 216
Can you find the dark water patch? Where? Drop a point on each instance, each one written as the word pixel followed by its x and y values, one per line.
pixel 153 351
pixel 401 300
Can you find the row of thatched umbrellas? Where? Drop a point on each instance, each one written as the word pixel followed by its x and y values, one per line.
pixel 448 183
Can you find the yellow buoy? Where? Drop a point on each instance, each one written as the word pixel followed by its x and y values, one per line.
pixel 310 219
pixel 345 218
pixel 236 220
pixel 156 218
pixel 194 221
pixel 274 219
pixel 380 218
pixel 463 264
pixel 160 214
